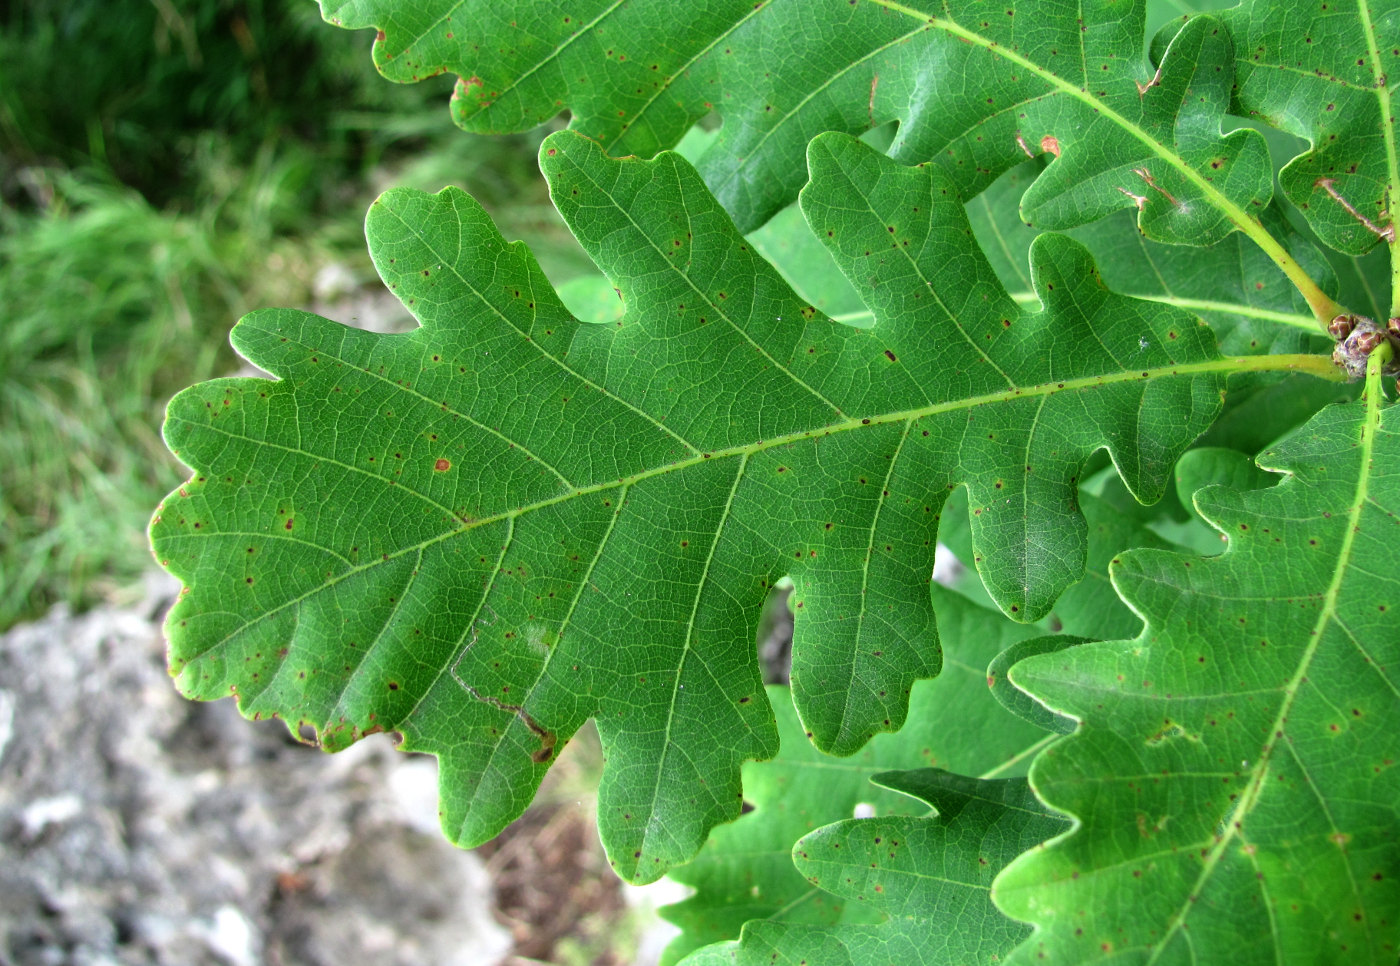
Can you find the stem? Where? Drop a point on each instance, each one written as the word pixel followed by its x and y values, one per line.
pixel 1324 307
pixel 1321 366
pixel 1376 362
pixel 1394 279
pixel 1382 89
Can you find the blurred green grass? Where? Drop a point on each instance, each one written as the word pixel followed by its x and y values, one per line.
pixel 166 166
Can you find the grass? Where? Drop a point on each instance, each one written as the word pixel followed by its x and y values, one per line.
pixel 110 304
pixel 212 157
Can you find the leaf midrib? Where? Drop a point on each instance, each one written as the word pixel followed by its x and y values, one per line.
pixel 1233 821
pixel 1237 216
pixel 1316 365
pixel 1291 319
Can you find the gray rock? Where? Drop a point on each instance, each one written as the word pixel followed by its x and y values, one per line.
pixel 140 828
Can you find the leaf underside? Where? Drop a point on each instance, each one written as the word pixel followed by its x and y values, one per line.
pixel 1249 736
pixel 483 532
pixel 745 871
pixel 929 877
pixel 1067 79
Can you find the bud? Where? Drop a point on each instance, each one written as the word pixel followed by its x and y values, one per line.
pixel 1366 341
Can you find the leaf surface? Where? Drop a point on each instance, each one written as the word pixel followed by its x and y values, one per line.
pixel 1065 78
pixel 1234 774
pixel 1323 73
pixel 483 532
pixel 745 871
pixel 1233 285
pixel 928 876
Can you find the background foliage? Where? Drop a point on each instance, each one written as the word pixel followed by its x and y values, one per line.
pixel 208 158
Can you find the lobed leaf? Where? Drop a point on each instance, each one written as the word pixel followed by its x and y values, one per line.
pixel 1233 284
pixel 978 86
pixel 483 532
pixel 1322 73
pixel 745 871
pixel 928 876
pixel 1234 774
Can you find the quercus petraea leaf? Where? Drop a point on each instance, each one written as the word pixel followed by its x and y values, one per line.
pixel 745 871
pixel 1064 78
pixel 929 877
pixel 1234 285
pixel 1234 777
pixel 1322 73
pixel 483 532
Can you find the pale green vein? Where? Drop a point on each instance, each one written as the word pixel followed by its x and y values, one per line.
pixel 583 583
pixel 438 404
pixel 650 101
pixel 1209 305
pixel 271 535
pixel 470 628
pixel 1027 752
pixel 818 89
pixel 676 683
pixel 558 50
pixel 466 283
pixel 865 574
pixel 1012 259
pixel 1314 365
pixel 400 599
pixel 447 15
pixel 624 210
pixel 1324 308
pixel 1291 319
pixel 172 418
pixel 930 287
pixel 1233 823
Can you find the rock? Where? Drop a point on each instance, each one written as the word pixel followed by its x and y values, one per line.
pixel 140 828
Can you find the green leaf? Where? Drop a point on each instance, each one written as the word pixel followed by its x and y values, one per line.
pixel 1016 701
pixel 1210 465
pixel 1233 285
pixel 930 877
pixel 1323 75
pixel 1206 466
pixel 1089 607
pixel 745 871
pixel 809 268
pixel 1234 774
pixel 483 532
pixel 1062 77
